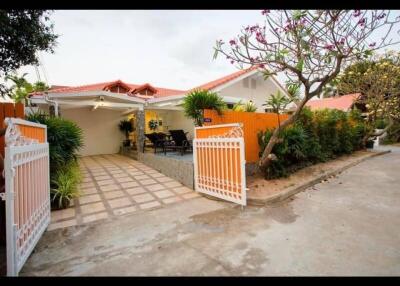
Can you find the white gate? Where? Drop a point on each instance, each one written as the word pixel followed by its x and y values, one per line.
pixel 219 167
pixel 27 192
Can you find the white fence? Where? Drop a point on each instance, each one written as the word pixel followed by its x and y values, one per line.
pixel 219 168
pixel 27 195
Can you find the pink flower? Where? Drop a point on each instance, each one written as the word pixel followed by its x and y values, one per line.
pixel 383 15
pixel 262 66
pixel 357 13
pixel 232 42
pixel 362 21
pixel 265 12
pixel 232 62
pixel 260 38
pixel 329 47
pixel 372 44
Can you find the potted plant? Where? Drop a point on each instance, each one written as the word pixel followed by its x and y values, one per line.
pixel 126 127
pixel 65 186
pixel 153 124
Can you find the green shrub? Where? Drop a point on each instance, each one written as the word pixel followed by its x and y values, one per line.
pixel 393 134
pixel 315 137
pixel 380 124
pixel 65 139
pixel 65 185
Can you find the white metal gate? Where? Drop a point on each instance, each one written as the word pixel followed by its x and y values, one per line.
pixel 219 168
pixel 27 195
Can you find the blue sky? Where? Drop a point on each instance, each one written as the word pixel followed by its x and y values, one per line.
pixel 165 48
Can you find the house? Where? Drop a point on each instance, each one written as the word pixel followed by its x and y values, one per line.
pixel 98 108
pixel 343 102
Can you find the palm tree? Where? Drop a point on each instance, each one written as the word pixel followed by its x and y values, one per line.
pixel 198 100
pixel 21 88
pixel 278 102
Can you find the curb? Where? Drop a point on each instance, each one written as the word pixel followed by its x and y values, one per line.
pixel 294 190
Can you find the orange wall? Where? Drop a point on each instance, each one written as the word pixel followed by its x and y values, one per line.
pixel 205 133
pixel 9 110
pixel 33 132
pixel 252 123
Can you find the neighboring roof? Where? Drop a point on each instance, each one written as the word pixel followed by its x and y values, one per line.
pixel 344 102
pixel 57 87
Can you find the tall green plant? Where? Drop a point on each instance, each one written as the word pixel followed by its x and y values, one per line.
pixel 65 185
pixel 125 126
pixel 65 139
pixel 198 100
pixel 245 107
pixel 21 88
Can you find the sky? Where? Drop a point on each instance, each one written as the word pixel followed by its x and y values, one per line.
pixel 167 48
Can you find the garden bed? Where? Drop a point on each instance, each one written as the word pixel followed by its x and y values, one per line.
pixel 262 191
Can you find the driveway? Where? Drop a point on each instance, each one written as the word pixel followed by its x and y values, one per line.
pixel 346 226
pixel 114 185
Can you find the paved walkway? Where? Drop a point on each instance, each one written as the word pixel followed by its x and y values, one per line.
pixel 115 185
pixel 345 226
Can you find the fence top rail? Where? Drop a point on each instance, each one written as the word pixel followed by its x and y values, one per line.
pixel 218 126
pixel 221 139
pixel 24 122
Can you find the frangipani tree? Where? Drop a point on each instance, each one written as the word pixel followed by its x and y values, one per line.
pixel 378 81
pixel 309 47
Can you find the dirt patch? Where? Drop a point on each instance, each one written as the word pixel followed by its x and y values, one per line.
pixel 261 188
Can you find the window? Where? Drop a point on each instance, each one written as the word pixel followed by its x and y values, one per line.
pixel 253 83
pixel 246 82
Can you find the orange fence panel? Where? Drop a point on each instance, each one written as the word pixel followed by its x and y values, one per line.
pixel 252 123
pixel 9 109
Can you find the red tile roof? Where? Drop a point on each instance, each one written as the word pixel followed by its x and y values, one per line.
pixel 343 102
pixel 225 79
pixel 160 91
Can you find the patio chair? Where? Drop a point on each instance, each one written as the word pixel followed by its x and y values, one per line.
pixel 181 142
pixel 158 140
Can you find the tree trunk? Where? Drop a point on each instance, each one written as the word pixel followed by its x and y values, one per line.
pixel 267 156
pixel 371 134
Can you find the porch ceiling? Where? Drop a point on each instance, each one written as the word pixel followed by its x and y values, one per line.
pixel 101 99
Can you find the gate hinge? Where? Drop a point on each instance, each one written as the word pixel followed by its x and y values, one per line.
pixel 3 196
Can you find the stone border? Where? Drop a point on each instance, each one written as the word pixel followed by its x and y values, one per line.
pixel 179 170
pixel 288 192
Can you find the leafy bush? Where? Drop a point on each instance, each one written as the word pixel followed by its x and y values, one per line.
pixel 380 124
pixel 245 107
pixel 65 138
pixel 65 185
pixel 393 134
pixel 198 100
pixel 125 126
pixel 315 137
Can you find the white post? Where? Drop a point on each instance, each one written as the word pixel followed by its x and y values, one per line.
pixel 10 226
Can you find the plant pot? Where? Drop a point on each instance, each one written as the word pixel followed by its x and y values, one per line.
pixel 370 144
pixel 65 202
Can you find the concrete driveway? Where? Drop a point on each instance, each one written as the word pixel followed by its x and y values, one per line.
pixel 346 226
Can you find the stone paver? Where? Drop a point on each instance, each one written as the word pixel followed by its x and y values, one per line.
pixel 89 199
pixel 113 186
pixel 149 205
pixel 143 198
